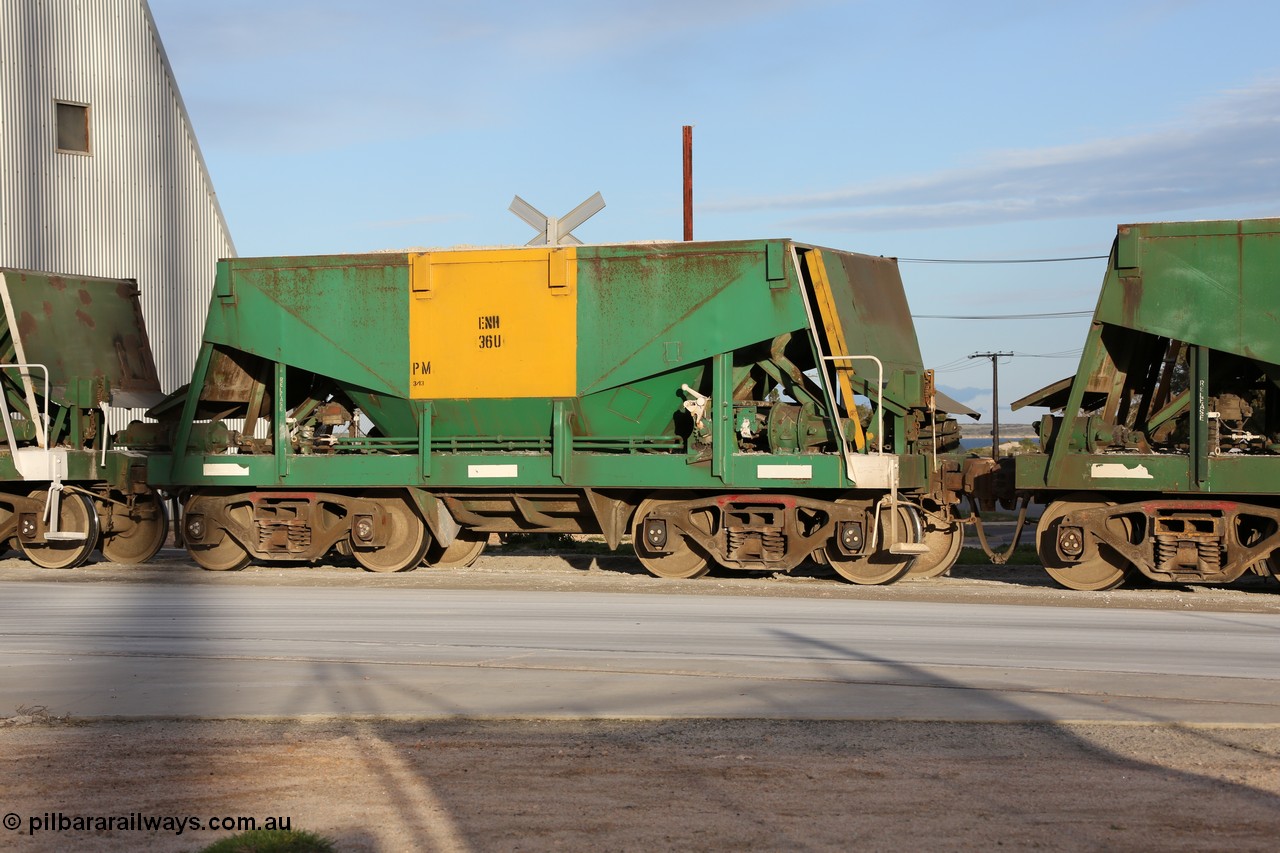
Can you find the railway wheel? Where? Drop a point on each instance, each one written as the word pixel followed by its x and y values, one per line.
pixel 945 541
pixel 9 543
pixel 138 532
pixel 684 559
pixel 882 566
pixel 76 517
pixel 1100 566
pixel 407 540
pixel 464 551
pixel 1251 534
pixel 227 555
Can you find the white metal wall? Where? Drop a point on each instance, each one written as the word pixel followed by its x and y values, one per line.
pixel 141 205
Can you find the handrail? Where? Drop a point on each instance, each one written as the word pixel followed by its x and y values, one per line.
pixel 879 393
pixel 42 435
pixel 892 497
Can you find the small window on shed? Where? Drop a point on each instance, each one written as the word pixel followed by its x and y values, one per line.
pixel 73 127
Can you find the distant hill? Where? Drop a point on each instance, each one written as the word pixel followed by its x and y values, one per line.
pixel 969 429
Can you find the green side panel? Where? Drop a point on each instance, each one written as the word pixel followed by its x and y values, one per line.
pixel 83 328
pixel 1241 475
pixel 521 418
pixel 645 406
pixel 83 466
pixel 343 316
pixel 648 309
pixel 1105 472
pixel 876 319
pixel 394 416
pixel 1151 474
pixel 1216 284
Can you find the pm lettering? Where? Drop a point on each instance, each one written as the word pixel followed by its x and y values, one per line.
pixel 418 373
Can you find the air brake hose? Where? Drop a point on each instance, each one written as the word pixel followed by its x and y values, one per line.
pixel 999 559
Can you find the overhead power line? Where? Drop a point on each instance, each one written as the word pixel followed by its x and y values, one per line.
pixel 1043 316
pixel 1000 260
pixel 964 362
pixel 1066 353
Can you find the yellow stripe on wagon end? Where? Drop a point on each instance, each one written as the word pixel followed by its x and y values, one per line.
pixel 493 323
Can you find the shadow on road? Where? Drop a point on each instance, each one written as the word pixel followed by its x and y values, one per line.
pixel 533 783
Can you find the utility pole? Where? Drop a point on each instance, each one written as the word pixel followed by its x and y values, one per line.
pixel 995 398
pixel 687 135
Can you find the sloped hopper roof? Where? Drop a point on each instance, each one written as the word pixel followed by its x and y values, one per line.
pixel 1054 396
pixel 81 328
pixel 954 407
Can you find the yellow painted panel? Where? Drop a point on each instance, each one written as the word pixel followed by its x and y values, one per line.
pixel 493 323
pixel 836 344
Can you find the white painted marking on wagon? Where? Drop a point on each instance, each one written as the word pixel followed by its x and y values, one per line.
pixel 478 472
pixel 784 472
pixel 225 469
pixel 1119 471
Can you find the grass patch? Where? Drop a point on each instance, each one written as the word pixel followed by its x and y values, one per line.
pixel 1000 515
pixel 34 715
pixel 272 841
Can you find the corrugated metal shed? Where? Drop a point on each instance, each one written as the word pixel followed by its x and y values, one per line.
pixel 140 203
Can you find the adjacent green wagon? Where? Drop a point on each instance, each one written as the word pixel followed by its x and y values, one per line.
pixel 1164 456
pixel 72 348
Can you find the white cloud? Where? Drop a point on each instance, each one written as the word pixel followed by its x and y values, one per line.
pixel 560 30
pixel 313 75
pixel 1226 151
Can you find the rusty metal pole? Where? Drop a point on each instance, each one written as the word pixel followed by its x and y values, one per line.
pixel 688 182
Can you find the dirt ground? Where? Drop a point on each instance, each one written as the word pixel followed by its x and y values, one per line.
pixel 646 785
pixel 622 573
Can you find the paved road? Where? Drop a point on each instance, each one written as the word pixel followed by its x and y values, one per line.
pixel 141 649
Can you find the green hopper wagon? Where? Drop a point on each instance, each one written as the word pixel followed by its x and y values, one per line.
pixel 1164 455
pixel 72 347
pixel 700 398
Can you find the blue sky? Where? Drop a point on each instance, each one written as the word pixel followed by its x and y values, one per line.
pixel 923 129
